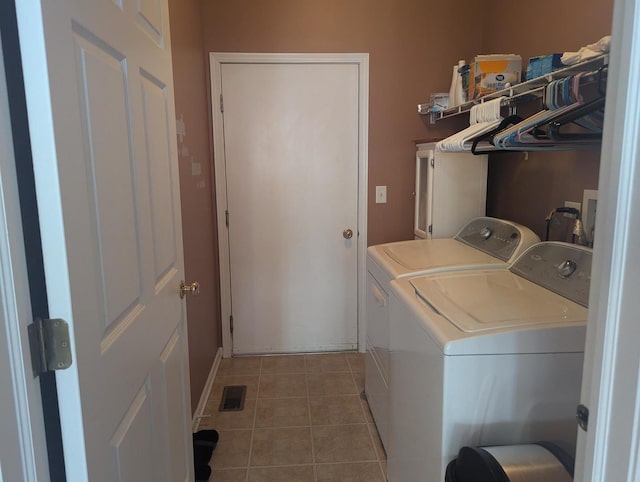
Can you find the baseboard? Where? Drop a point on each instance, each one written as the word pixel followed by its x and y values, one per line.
pixel 206 391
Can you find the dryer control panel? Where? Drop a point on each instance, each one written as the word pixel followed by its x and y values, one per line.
pixel 562 268
pixel 493 236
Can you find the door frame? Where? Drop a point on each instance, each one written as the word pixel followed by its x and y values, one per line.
pixel 30 448
pixel 217 59
pixel 610 449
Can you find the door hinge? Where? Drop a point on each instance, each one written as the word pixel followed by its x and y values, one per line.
pixel 226 218
pixel 231 324
pixel 430 229
pixel 433 162
pixel 50 345
pixel 221 104
pixel 582 416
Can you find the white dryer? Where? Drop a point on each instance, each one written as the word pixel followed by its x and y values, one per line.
pixel 482 243
pixel 486 357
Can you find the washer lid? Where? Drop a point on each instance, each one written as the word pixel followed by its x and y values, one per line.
pixel 436 253
pixel 479 301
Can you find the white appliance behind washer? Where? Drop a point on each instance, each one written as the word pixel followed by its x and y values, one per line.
pixel 486 357
pixel 482 243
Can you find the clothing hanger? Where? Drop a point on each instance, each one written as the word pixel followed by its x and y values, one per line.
pixel 512 119
pixel 565 104
pixel 533 133
pixel 483 118
pixel 573 116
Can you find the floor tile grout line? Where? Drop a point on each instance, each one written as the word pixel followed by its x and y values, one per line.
pixel 353 379
pixel 362 406
pixel 358 461
pixel 282 427
pixel 313 448
pixel 382 471
pixel 362 461
pixel 310 426
pixel 280 466
pixel 253 426
pixel 371 434
pixel 336 395
pixel 373 442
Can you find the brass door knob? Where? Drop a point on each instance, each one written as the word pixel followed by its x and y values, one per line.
pixel 193 288
pixel 347 233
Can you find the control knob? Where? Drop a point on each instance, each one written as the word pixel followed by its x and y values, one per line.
pixel 566 268
pixel 485 233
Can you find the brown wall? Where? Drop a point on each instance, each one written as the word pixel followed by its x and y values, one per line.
pixel 412 44
pixel 526 190
pixel 198 214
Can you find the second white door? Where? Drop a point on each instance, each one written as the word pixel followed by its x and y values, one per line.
pixel 291 141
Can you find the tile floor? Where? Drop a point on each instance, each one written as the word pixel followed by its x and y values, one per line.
pixel 303 421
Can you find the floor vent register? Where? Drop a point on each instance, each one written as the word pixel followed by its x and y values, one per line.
pixel 233 398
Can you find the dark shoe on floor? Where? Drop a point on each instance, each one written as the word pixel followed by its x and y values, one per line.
pixel 204 443
pixel 203 472
pixel 207 438
pixel 201 455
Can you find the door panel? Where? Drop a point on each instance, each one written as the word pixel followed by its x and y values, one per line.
pixel 156 123
pixel 100 100
pixel 150 18
pixel 291 151
pixel 108 151
pixel 176 388
pixel 133 439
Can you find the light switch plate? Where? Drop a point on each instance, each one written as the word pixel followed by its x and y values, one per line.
pixel 381 194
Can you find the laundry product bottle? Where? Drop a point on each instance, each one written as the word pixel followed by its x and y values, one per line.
pixel 461 98
pixel 456 96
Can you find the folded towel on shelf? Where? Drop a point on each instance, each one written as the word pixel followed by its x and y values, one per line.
pixel 482 119
pixel 600 47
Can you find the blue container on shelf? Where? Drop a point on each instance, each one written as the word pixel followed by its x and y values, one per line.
pixel 539 66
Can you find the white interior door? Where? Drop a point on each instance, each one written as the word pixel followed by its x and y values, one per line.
pixel 99 92
pixel 23 452
pixel 291 147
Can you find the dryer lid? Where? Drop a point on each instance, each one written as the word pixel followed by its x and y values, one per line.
pixel 479 301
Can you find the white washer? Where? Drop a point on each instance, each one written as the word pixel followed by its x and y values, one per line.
pixel 482 243
pixel 486 357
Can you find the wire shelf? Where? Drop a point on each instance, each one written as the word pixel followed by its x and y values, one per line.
pixel 523 91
